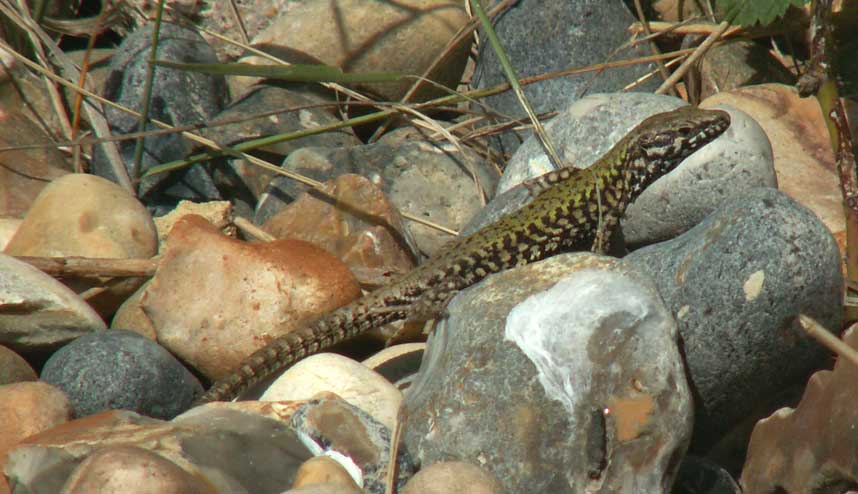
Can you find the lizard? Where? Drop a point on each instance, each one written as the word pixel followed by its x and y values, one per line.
pixel 572 209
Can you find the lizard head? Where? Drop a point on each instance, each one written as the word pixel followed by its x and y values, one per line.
pixel 663 140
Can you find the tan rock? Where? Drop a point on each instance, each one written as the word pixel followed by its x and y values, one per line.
pixel 131 316
pixel 403 37
pixel 323 470
pixel 215 300
pixel 452 476
pixel 804 161
pixel 325 489
pixel 362 227
pixel 29 408
pixel 218 213
pixel 132 470
pixel 351 381
pixel 801 449
pixel 85 215
pixel 37 311
pixel 13 368
pixel 8 227
pixel 25 172
pixel 88 216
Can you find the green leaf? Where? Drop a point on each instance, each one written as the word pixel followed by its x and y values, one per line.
pixel 294 73
pixel 749 12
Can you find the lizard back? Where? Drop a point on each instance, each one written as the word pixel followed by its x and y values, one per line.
pixel 574 209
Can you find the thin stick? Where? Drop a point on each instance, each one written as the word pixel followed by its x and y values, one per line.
pixel 828 340
pixel 690 61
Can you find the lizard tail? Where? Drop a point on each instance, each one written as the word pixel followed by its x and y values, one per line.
pixel 288 349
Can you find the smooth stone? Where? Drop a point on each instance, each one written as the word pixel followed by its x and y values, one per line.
pixel 398 363
pixel 88 216
pixel 452 476
pixel 555 374
pixel 25 172
pixel 427 178
pixel 739 160
pixel 376 36
pixel 352 219
pixel 259 290
pixel 229 450
pixel 29 408
pixel 567 34
pixel 323 470
pixel 8 227
pixel 351 381
pixel 801 146
pixel 13 368
pixel 312 112
pixel 38 312
pixel 736 283
pixel 180 98
pixel 132 470
pixel 130 316
pixel 120 369
pixel 326 488
pixel 800 449
pixel 333 427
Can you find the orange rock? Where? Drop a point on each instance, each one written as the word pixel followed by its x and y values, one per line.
pixel 215 300
pixel 29 408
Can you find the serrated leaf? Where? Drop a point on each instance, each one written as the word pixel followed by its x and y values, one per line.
pixel 750 12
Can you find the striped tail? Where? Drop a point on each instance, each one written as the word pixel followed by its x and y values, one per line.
pixel 281 353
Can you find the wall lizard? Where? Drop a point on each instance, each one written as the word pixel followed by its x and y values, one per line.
pixel 573 209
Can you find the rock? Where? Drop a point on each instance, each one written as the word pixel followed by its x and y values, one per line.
pixel 120 369
pixel 206 445
pixel 39 312
pixel 312 111
pixel 25 172
pixel 327 488
pixel 218 213
pixel 323 470
pixel 179 98
pixel 736 283
pixel 261 291
pixel 338 429
pixel 398 363
pixel 376 36
pixel 701 476
pixel 13 368
pixel 573 34
pixel 8 227
pixel 351 381
pixel 425 178
pixel 739 160
pixel 88 216
pixel 130 316
pixel 806 448
pixel 29 408
pixel 132 470
pixel 800 144
pixel 352 220
pixel 559 376
pixel 452 476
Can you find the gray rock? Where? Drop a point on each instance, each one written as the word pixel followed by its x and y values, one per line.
pixel 119 369
pixel 38 312
pixel 736 283
pixel 560 376
pixel 336 428
pixel 701 476
pixel 179 98
pixel 426 178
pixel 261 100
pixel 542 36
pixel 739 160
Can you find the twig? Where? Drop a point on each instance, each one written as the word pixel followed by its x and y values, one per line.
pixel 88 266
pixel 828 340
pixel 690 61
